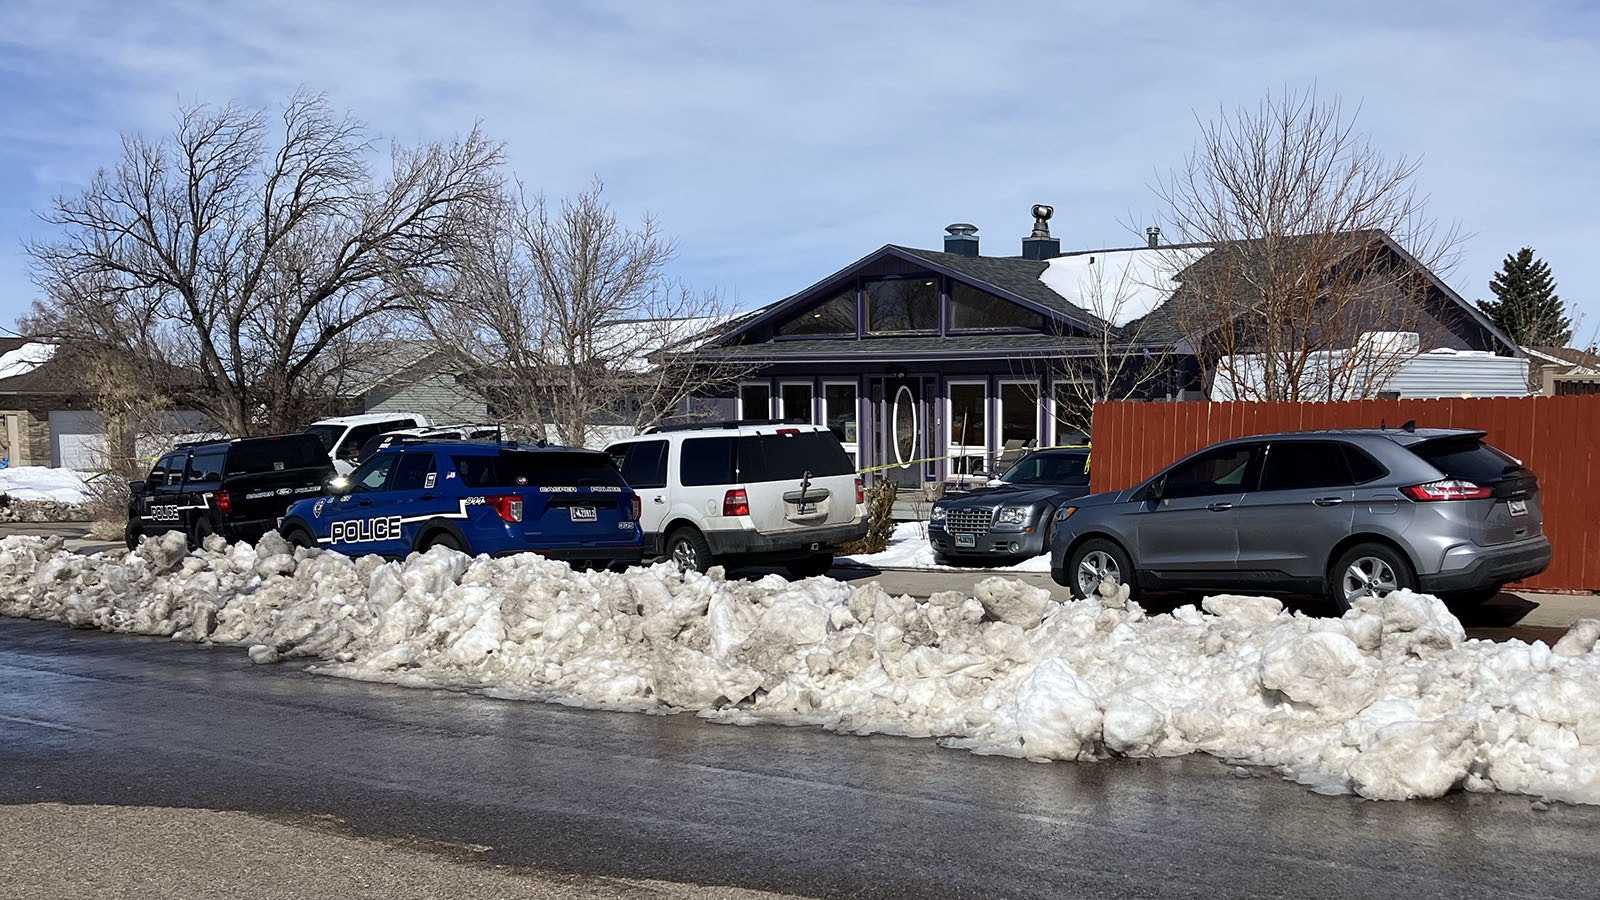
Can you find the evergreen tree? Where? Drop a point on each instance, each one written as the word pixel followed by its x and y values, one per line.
pixel 1528 309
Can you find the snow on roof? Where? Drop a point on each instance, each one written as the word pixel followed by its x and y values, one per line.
pixel 1391 701
pixel 25 359
pixel 1120 286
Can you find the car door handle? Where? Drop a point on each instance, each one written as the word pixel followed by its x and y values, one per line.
pixel 365 503
pixel 425 497
pixel 1220 507
pixel 660 500
pixel 1328 501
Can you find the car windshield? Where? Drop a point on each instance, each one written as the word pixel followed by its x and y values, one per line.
pixel 327 434
pixel 1070 469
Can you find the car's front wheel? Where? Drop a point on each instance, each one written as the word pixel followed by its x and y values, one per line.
pixel 441 539
pixel 1093 562
pixel 1368 570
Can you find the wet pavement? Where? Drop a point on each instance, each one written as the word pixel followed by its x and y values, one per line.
pixel 91 718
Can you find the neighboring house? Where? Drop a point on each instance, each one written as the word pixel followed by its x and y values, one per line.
pixel 420 380
pixel 935 365
pixel 1564 370
pixel 49 407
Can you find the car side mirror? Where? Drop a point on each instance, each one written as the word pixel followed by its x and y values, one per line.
pixel 338 486
pixel 1156 490
pixel 135 487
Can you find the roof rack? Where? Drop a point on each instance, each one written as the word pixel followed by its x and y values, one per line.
pixel 726 423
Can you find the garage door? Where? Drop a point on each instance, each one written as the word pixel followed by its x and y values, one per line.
pixel 77 439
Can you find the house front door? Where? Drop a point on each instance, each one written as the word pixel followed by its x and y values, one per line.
pixel 903 432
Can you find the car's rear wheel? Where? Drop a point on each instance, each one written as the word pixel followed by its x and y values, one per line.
pixel 1368 570
pixel 441 539
pixel 198 532
pixel 1093 562
pixel 815 564
pixel 132 533
pixel 688 549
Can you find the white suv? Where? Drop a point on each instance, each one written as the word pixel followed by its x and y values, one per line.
pixel 344 436
pixel 744 492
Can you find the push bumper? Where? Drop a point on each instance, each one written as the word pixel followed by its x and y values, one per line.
pixel 1491 566
pixel 995 544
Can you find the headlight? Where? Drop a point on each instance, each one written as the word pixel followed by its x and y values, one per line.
pixel 937 515
pixel 1012 515
pixel 1065 513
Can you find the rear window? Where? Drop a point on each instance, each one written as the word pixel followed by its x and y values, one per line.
pixel 275 454
pixel 511 468
pixel 789 456
pixel 1469 459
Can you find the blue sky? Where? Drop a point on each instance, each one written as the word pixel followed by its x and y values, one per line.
pixel 779 142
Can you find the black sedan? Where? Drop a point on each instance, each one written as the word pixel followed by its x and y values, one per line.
pixel 1011 518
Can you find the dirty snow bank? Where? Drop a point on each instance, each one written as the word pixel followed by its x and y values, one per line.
pixel 1391 702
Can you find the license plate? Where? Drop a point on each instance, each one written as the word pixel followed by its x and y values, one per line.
pixel 1517 507
pixel 804 509
pixel 966 540
pixel 582 513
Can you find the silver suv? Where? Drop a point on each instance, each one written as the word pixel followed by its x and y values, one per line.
pixel 745 492
pixel 1346 513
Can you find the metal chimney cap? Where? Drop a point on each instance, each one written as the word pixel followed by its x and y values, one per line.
pixel 1041 220
pixel 961 228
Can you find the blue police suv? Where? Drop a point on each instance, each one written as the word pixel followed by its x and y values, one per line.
pixel 477 497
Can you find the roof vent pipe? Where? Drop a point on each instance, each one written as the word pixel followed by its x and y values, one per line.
pixel 961 239
pixel 1152 236
pixel 1040 245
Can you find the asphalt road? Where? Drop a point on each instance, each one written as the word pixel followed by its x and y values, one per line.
pixel 610 801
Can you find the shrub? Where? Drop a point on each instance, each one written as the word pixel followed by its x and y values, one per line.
pixel 880 520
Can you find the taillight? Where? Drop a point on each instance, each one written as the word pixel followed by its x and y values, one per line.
pixel 1448 489
pixel 736 503
pixel 224 503
pixel 638 508
pixel 509 506
pixel 861 492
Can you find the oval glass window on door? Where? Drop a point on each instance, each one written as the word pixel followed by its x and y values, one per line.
pixel 905 426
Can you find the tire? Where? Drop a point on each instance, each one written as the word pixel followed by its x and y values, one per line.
pixel 441 539
pixel 132 533
pixel 811 566
pixel 199 531
pixel 688 548
pixel 299 537
pixel 1368 570
pixel 1094 559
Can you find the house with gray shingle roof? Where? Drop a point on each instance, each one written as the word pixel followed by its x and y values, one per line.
pixel 932 364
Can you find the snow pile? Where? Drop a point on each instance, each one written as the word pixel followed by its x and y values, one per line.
pixel 909 549
pixel 1391 701
pixel 25 359
pixel 43 483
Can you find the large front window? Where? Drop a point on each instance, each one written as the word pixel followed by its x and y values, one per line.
pixel 795 401
pixel 1019 416
pixel 835 316
pixel 903 304
pixel 968 424
pixel 839 413
pixel 971 308
pixel 755 401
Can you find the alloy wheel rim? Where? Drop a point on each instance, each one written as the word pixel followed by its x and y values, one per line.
pixel 683 554
pixel 1094 568
pixel 1369 576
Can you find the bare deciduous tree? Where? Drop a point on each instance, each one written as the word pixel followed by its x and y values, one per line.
pixel 1316 239
pixel 254 260
pixel 1122 358
pixel 567 317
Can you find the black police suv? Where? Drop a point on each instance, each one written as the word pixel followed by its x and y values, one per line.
pixel 237 488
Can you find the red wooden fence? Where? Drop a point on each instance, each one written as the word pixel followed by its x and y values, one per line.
pixel 1554 436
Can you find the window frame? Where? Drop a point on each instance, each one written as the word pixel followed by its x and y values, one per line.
pixel 743 413
pixel 810 385
pixel 960 455
pixel 864 304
